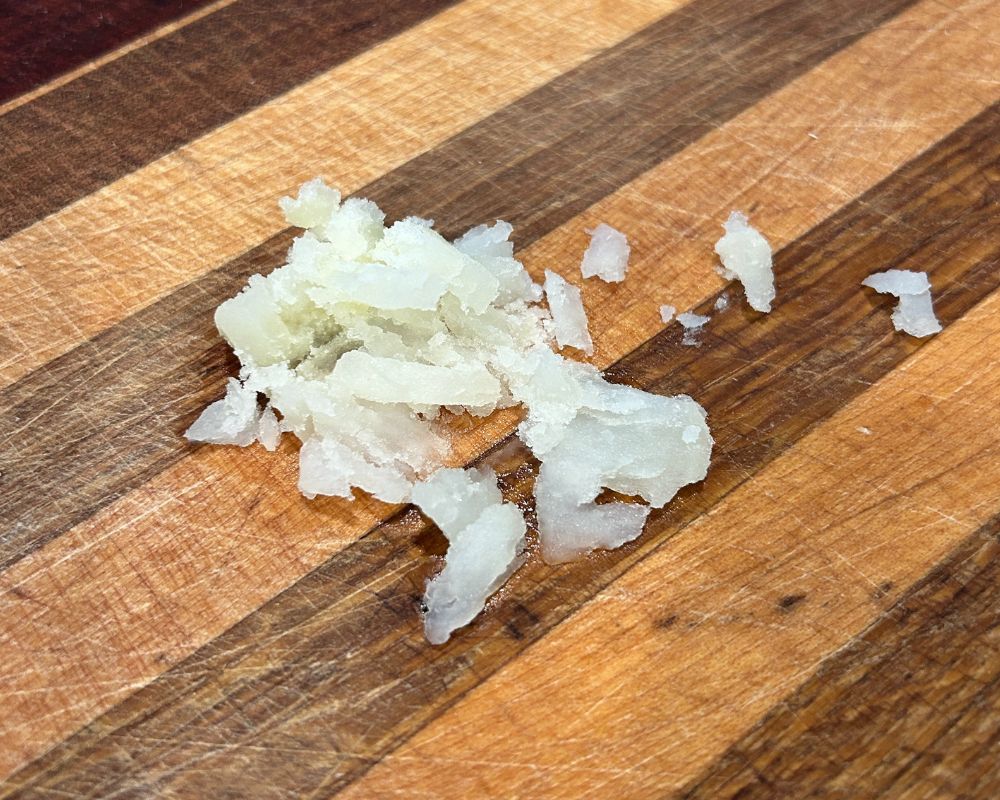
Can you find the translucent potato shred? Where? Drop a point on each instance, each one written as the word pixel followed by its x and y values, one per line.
pixel 746 257
pixel 369 332
pixel 914 313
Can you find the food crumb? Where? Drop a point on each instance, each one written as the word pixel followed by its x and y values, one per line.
pixel 607 255
pixel 692 324
pixel 691 321
pixel 914 314
pixel 569 319
pixel 746 257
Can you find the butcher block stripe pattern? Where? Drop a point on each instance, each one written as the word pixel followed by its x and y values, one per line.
pixel 197 207
pixel 817 618
pixel 141 106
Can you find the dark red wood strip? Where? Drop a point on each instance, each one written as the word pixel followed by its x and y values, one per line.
pixel 308 692
pixel 628 109
pixel 42 40
pixel 107 123
pixel 920 687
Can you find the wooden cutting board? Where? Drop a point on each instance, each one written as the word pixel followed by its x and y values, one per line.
pixel 819 617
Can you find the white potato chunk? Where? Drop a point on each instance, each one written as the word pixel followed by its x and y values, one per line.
pixel 369 336
pixel 898 282
pixel 268 429
pixel 490 246
pixel 914 314
pixel 387 288
pixel 692 324
pixel 231 420
pixel 569 528
pixel 625 440
pixel 746 256
pixel 413 242
pixel 568 315
pixel 390 380
pixel 485 540
pixel 354 228
pixel 313 206
pixel 607 255
pixel 330 467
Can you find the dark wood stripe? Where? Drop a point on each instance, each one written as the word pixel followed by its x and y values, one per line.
pixel 40 40
pixel 920 688
pixel 116 427
pixel 107 123
pixel 308 692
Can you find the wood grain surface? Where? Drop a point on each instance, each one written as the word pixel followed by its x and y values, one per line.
pixel 41 42
pixel 818 618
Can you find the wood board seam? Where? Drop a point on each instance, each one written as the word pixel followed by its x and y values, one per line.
pixel 113 55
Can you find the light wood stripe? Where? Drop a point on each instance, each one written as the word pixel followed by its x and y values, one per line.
pixel 107 58
pixel 205 527
pixel 323 611
pixel 785 570
pixel 193 210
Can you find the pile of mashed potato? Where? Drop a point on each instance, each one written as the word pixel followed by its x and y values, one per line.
pixel 370 333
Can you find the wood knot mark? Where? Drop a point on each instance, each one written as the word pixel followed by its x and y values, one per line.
pixel 665 622
pixel 789 601
pixel 514 631
pixel 521 620
pixel 525 614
